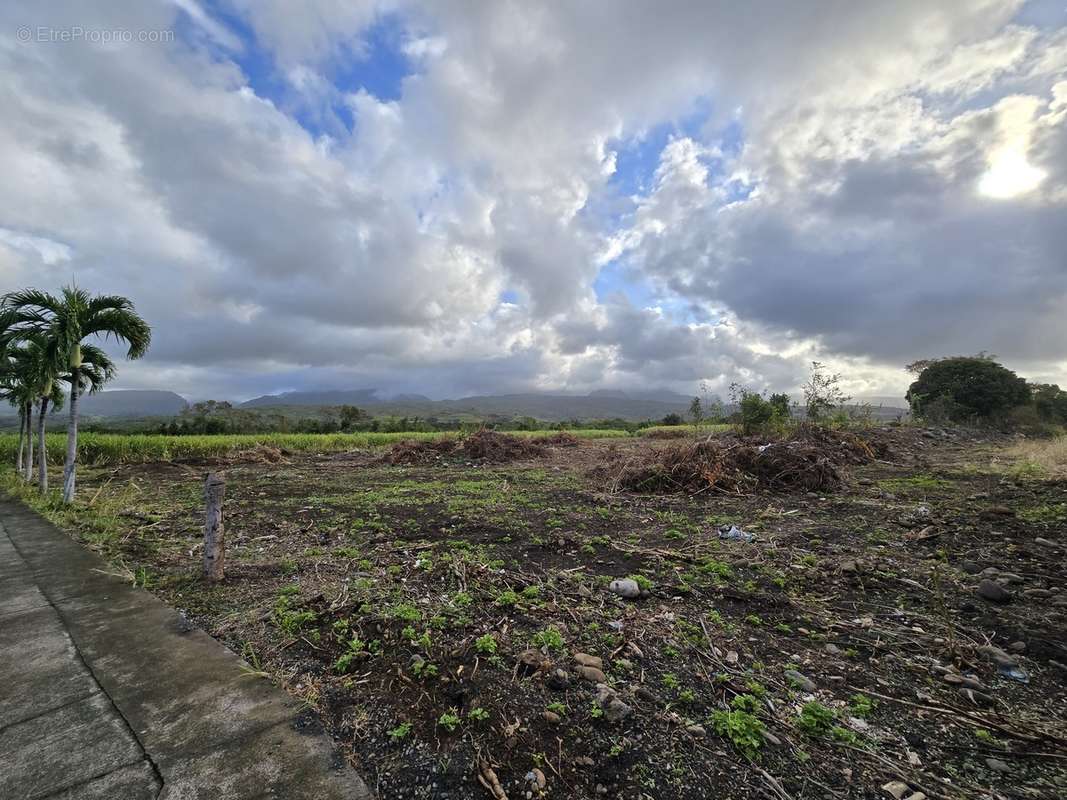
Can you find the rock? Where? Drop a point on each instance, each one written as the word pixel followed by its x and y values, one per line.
pixel 1010 577
pixel 1037 594
pixel 584 761
pixel 697 731
pixel 998 511
pixel 536 779
pixel 897 789
pixel 970 567
pixel 801 681
pixel 1046 543
pixel 616 710
pixel 916 796
pixel 646 694
pixel 997 765
pixel 850 567
pixel 1017 647
pixel 993 592
pixel 592 674
pixel 771 739
pixel 586 660
pixel 558 679
pixel 731 657
pixel 551 717
pixel 989 572
pixel 952 678
pixel 625 587
pixel 529 662
pixel 831 649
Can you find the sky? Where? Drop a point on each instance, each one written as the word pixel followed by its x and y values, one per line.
pixel 457 197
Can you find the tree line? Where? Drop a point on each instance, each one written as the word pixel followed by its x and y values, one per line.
pixel 46 343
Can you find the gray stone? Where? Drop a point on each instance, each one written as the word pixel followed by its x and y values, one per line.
pixel 625 587
pixel 993 592
pixel 800 680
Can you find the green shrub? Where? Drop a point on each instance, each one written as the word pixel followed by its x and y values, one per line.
pixel 967 389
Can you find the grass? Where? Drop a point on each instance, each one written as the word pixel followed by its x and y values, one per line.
pixel 118 448
pixel 1040 456
pixel 685 430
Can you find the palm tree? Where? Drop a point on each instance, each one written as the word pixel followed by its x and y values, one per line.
pixel 68 320
pixel 41 377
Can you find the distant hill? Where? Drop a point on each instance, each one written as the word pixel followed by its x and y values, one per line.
pixel 601 404
pixel 132 403
pixel 349 397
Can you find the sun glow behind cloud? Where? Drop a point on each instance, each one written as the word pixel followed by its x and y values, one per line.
pixel 1010 175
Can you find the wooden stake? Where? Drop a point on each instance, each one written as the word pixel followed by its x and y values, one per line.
pixel 214 536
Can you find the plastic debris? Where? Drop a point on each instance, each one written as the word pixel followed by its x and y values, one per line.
pixel 1015 672
pixel 735 534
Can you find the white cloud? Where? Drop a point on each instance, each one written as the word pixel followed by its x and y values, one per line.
pixel 379 251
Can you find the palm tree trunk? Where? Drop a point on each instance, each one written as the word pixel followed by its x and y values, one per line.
pixel 72 440
pixel 29 437
pixel 42 455
pixel 22 436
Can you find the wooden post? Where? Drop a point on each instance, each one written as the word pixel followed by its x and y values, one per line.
pixel 214 537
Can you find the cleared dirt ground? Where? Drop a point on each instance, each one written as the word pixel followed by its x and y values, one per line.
pixel 446 618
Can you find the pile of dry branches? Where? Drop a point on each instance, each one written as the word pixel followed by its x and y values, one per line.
pixel 809 460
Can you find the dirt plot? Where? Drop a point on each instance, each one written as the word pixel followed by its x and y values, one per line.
pixel 895 631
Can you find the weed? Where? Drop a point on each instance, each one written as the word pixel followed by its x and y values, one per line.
pixel 485 644
pixel 549 638
pixel 401 731
pixel 743 730
pixel 450 720
pixel 745 702
pixel 815 719
pixel 478 714
pixel 861 705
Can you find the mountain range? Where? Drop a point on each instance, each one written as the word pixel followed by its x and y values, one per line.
pixel 600 404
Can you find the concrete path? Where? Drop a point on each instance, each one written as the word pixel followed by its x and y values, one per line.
pixel 107 694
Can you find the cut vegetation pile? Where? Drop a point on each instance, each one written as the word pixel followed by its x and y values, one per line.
pixel 809 460
pixel 483 445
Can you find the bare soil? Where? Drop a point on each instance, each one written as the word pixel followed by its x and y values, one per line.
pixel 424 610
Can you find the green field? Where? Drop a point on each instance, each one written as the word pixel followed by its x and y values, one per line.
pixel 685 430
pixel 116 448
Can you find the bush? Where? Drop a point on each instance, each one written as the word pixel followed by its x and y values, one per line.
pixel 822 393
pixel 967 389
pixel 1050 402
pixel 755 412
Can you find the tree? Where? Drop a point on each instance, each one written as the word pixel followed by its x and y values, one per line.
pixel 696 411
pixel 67 321
pixel 1050 401
pixel 823 393
pixel 36 371
pixel 967 388
pixel 780 403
